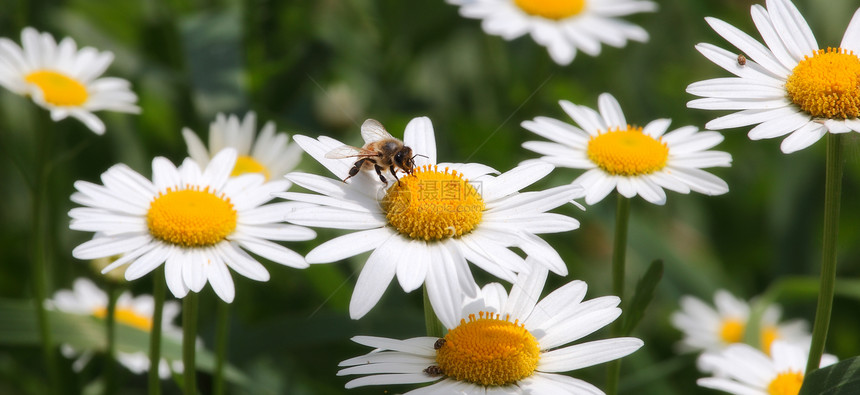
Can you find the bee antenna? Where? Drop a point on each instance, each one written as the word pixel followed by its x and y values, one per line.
pixel 423 156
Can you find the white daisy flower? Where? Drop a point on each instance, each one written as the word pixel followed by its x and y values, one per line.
pixel 501 344
pixel 634 160
pixel 744 370
pixel 63 79
pixel 85 298
pixel 791 86
pixel 706 328
pixel 270 155
pixel 425 227
pixel 195 222
pixel 562 26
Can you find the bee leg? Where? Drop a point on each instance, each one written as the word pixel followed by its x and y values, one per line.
pixel 355 169
pixel 393 173
pixel 379 172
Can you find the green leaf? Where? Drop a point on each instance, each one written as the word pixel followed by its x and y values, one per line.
pixel 842 378
pixel 642 296
pixel 18 327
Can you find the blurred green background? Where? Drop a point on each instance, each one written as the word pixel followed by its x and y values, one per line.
pixel 322 67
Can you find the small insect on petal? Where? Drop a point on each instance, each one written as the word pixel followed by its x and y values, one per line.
pixel 742 60
pixel 439 343
pixel 433 370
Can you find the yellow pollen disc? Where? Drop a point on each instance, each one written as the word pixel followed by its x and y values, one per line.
pixel 827 85
pixel 551 9
pixel 191 217
pixel 431 205
pixel 787 383
pixel 488 351
pixel 732 331
pixel 127 317
pixel 246 164
pixel 627 152
pixel 58 89
pixel 768 335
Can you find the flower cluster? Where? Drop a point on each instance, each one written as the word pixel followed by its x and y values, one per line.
pixel 426 222
pixel 86 299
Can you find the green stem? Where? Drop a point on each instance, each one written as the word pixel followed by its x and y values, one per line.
pixel 434 326
pixel 619 254
pixel 41 266
pixel 221 336
pixel 155 332
pixel 110 326
pixel 832 197
pixel 619 248
pixel 189 335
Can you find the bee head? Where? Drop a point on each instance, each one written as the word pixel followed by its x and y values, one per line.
pixel 405 160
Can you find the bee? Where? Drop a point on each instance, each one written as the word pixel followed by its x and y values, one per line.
pixel 433 370
pixel 381 152
pixel 742 60
pixel 439 343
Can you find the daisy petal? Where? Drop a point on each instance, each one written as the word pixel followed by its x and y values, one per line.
pixel 443 287
pixel 272 251
pixel 748 45
pixel 587 354
pixel 548 383
pixel 222 283
pixel 792 28
pixel 420 137
pixel 589 120
pixel 377 273
pixel 173 274
pixel 558 131
pixel 239 260
pixel 736 88
pixel 729 62
pixel 526 292
pixel 101 247
pixel 652 192
pixel 699 180
pixel 728 386
pixel 386 379
pixel 570 294
pixel 803 137
pixel 348 245
pixel 837 126
pixel 610 110
pixel 412 264
pixel 749 117
pixel 851 38
pixel 656 128
pixel 774 42
pixel 147 262
pixel 779 126
pixel 514 180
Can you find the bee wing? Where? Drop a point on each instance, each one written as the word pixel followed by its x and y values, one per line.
pixel 348 151
pixel 372 130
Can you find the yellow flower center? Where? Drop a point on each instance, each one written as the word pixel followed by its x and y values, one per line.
pixel 787 383
pixel 827 85
pixel 246 164
pixel 191 217
pixel 488 351
pixel 768 335
pixel 732 331
pixel 551 9
pixel 58 89
pixel 126 316
pixel 431 205
pixel 627 152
